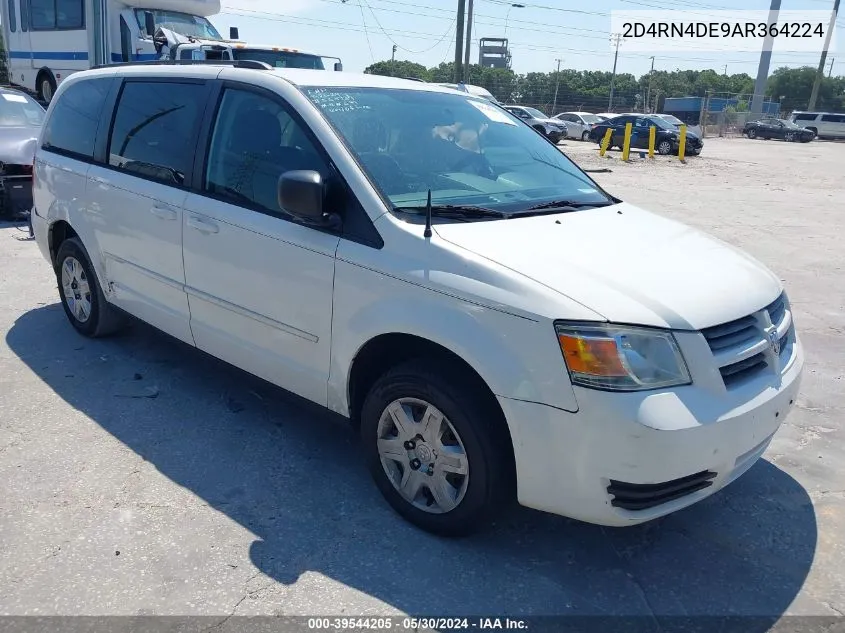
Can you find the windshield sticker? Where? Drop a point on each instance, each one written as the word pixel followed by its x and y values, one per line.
pixel 333 102
pixel 588 190
pixel 15 98
pixel 492 112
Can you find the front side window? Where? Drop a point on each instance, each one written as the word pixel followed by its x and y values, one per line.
pixel 73 123
pixel 51 15
pixel 463 149
pixel 182 23
pixel 154 132
pixel 255 140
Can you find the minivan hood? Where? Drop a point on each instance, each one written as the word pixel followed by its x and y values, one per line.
pixel 626 264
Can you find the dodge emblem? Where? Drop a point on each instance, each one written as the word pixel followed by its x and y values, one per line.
pixel 774 341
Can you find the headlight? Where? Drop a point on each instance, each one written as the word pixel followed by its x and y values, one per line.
pixel 621 358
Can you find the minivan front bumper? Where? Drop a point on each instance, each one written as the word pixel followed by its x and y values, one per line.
pixel 656 452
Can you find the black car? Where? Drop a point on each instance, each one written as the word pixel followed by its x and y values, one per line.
pixel 778 128
pixel 667 137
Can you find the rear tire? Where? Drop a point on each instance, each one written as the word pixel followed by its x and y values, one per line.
pixel 470 432
pixel 46 86
pixel 82 298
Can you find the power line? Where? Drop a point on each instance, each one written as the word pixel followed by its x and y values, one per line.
pixel 367 35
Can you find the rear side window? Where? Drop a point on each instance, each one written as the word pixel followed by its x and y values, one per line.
pixel 155 129
pixel 72 126
pixel 833 118
pixel 805 117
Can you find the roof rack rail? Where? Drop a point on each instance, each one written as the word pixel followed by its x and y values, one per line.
pixel 236 63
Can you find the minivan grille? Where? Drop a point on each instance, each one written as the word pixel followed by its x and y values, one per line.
pixel 746 335
pixel 643 496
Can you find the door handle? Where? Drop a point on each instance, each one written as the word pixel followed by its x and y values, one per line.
pixel 164 213
pixel 203 226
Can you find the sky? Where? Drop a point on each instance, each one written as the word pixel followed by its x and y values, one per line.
pixel 540 32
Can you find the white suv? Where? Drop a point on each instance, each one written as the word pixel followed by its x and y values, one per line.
pixel 424 263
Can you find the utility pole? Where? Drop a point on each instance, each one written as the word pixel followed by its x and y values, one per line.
pixel 820 70
pixel 468 42
pixel 393 61
pixel 765 61
pixel 557 85
pixel 648 90
pixel 726 71
pixel 459 40
pixel 830 70
pixel 617 39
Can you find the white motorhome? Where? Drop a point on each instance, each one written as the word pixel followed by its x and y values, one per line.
pixel 47 40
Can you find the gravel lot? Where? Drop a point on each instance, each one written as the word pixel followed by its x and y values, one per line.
pixel 138 476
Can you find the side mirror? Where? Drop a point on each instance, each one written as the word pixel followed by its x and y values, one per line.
pixel 234 34
pixel 338 66
pixel 150 23
pixel 301 194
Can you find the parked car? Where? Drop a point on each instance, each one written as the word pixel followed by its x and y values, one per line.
pixel 604 116
pixel 553 129
pixel 578 124
pixel 666 141
pixel 21 118
pixel 822 124
pixel 768 128
pixel 493 322
pixel 695 128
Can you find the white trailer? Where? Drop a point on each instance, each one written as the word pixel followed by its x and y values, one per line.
pixel 47 40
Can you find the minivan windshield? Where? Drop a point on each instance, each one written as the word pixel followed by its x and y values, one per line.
pixel 464 149
pixel 182 23
pixel 280 59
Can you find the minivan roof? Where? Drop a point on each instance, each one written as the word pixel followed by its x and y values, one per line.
pixel 296 76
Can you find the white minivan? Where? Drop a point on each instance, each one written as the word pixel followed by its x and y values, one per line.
pixel 497 326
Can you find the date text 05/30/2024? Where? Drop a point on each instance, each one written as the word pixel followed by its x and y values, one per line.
pixel 416 624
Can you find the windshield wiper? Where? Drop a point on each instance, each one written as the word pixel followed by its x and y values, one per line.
pixel 455 211
pixel 561 205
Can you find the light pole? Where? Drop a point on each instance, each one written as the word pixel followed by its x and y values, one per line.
pixel 765 61
pixel 648 90
pixel 557 85
pixel 514 5
pixel 393 60
pixel 617 39
pixel 820 71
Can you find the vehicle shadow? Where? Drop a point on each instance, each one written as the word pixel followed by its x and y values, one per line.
pixel 292 475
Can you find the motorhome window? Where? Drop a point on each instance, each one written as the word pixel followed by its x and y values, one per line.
pixel 73 124
pixel 154 129
pixel 24 15
pixel 12 18
pixel 182 23
pixel 54 15
pixel 281 59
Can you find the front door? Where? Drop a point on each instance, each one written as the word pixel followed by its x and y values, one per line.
pixel 259 284
pixel 140 193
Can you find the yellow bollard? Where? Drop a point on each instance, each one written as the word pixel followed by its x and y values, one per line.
pixel 652 131
pixel 626 147
pixel 682 145
pixel 605 141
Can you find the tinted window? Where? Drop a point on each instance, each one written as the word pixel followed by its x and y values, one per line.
pixel 47 15
pixel 805 117
pixel 12 17
pixel 24 15
pixel 833 118
pixel 73 124
pixel 254 142
pixel 154 132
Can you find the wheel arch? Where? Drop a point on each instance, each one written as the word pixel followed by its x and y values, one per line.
pixel 59 231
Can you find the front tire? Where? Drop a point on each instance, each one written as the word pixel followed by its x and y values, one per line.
pixel 752 133
pixel 82 298
pixel 585 136
pixel 436 448
pixel 664 148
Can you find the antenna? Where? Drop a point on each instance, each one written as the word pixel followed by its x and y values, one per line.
pixel 427 232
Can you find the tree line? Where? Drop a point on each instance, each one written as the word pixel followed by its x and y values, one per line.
pixel 590 90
